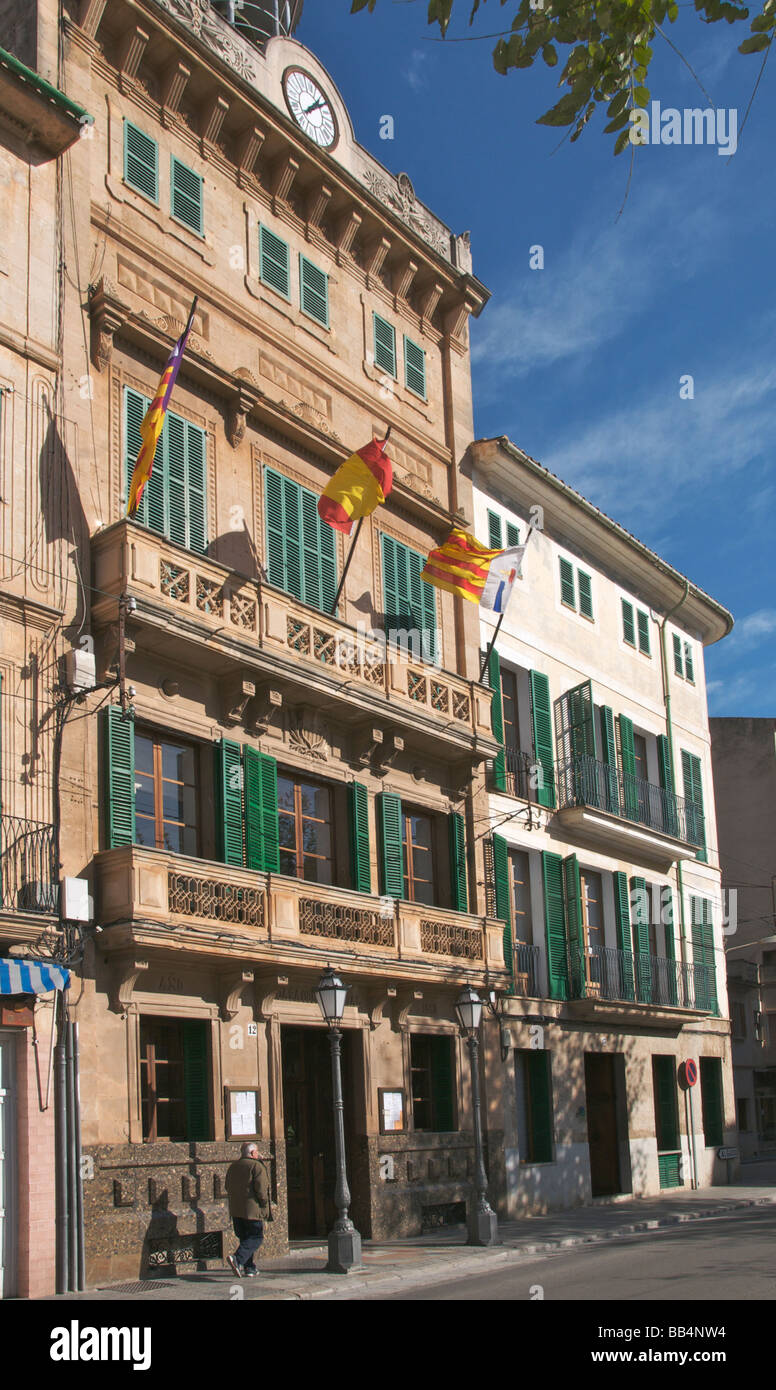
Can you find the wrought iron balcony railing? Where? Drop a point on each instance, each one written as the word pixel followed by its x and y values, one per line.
pixel 28 878
pixel 584 781
pixel 526 971
pixel 603 972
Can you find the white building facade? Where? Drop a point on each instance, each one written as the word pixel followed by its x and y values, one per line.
pixel 604 856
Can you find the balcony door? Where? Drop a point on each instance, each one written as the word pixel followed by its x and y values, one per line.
pixel 642 775
pixel 592 927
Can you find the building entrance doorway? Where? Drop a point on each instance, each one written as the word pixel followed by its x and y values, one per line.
pixel 7 1176
pixel 601 1087
pixel 309 1121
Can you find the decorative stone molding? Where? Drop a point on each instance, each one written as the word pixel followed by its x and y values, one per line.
pixel 213 119
pixel 231 993
pixel 428 300
pixel 125 976
pixel 246 394
pixel 173 86
pixel 317 204
pixel 236 694
pixel 266 705
pixel 376 252
pixel 403 276
pixel 132 50
pixel 307 734
pixel 346 229
pixel 91 14
pixel 202 20
pixel 108 313
pixel 248 150
pixel 399 195
pixel 283 174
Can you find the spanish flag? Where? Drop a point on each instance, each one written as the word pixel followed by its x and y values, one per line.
pixel 359 485
pixel 460 566
pixel 153 420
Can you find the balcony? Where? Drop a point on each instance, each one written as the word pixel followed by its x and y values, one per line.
pixel 623 814
pixel 29 882
pixel 151 899
pixel 190 607
pixel 526 971
pixel 603 976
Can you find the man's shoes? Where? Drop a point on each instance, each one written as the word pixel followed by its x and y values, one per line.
pixel 238 1269
pixel 250 1273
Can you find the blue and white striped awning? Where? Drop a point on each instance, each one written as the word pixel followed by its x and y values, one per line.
pixel 31 977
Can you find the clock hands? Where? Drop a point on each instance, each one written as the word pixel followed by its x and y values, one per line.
pixel 315 106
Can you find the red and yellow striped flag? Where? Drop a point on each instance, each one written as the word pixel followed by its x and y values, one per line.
pixel 460 566
pixel 359 485
pixel 153 420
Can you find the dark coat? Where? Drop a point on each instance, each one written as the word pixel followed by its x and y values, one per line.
pixel 248 1190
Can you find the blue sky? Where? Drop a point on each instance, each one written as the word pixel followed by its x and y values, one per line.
pixel 580 363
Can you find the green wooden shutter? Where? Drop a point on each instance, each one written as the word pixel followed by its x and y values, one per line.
pixel 503 896
pixel 666 1110
pixel 443 1108
pixel 513 535
pixel 628 626
pixel 174 438
pixel 624 935
pixel 196 1079
pixel 414 368
pixel 276 551
pixel 541 720
pixel 575 737
pixel 312 575
pixel 609 752
pixel 389 817
pixel 643 622
pixel 292 539
pixel 497 721
pixel 494 531
pixel 667 915
pixel 360 862
pixel 693 795
pixel 186 196
pixel 458 886
pixel 540 1104
pixel 152 511
pixel 572 903
pixel 313 291
pixel 390 584
pixel 689 671
pixel 141 161
pixel 628 765
pixel 274 262
pixel 666 774
pixel 567 591
pixel 555 925
pixel 196 488
pixel 409 602
pixel 640 903
pixel 270 829
pixel 384 345
pixel 228 779
pixel 678 665
pixel 711 1101
pixel 585 594
pixel 119 777
pixel 423 606
pixel 704 955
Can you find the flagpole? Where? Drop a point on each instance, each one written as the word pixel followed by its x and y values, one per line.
pixel 354 542
pixel 493 639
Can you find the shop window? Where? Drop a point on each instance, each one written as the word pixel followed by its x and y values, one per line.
pixel 433 1077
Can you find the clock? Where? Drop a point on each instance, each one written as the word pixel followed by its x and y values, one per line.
pixel 310 108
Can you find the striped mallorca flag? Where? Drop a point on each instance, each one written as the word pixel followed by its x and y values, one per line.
pixel 358 487
pixel 460 566
pixel 153 420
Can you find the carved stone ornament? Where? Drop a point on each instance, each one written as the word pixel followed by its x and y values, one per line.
pixel 399 195
pixel 200 17
pixel 307 734
pixel 247 393
pixel 125 976
pixel 107 313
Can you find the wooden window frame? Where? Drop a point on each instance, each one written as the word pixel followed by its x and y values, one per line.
pixel 513 850
pixel 431 1100
pixel 584 875
pixel 408 875
pixel 297 778
pixel 158 738
pixel 152 1137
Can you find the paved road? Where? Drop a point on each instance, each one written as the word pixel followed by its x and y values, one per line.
pixel 730 1258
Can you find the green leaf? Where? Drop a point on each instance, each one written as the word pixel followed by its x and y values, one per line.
pixel 641 96
pixel 563 113
pixel 623 139
pixel 673 11
pixel 617 104
pixel 756 44
pixel 617 123
pixel 550 55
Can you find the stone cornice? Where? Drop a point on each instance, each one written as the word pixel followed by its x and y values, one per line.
pixel 35 614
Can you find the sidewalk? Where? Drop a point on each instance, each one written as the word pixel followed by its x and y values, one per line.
pixel 436 1258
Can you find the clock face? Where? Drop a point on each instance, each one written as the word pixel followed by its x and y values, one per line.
pixel 310 108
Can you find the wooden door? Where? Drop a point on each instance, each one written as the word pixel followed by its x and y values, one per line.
pixel 309 1120
pixel 601 1090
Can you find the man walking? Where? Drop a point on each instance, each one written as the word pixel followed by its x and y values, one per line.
pixel 248 1191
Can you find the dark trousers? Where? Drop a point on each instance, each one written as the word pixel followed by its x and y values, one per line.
pixel 250 1235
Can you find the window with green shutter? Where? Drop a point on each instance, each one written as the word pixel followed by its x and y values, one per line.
pixel 228 783
pixel 260 811
pixel 666 1105
pixel 459 896
pixel 502 897
pixel 186 203
pixel 118 735
pixel 535 1117
pixel 141 162
pixel 301 548
pixel 174 501
pixel 643 624
pixel 689 672
pixel 585 594
pixel 274 262
pixel 640 918
pixel 313 292
pixel 555 925
pixel 703 955
pixel 678 662
pixel 414 368
pixel 495 541
pixel 630 781
pixel 196 1079
pixel 389 826
pixel 360 858
pixel 499 766
pixel 432 1071
pixel 513 535
pixel 628 625
pixel 384 345
pixel 624 937
pixel 541 722
pixel 693 797
pixel 567 590
pixel 608 746
pixel 175 1080
pixel 711 1101
pixel 409 602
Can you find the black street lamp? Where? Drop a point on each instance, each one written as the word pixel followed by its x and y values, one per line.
pixel 483 1223
pixel 344 1239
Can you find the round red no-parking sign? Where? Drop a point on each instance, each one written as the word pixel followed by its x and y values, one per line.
pixel 690 1069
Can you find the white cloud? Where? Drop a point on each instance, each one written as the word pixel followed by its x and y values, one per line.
pixel 414 72
pixel 753 629
pixel 741 694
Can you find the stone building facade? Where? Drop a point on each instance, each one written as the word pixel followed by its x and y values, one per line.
pixel 606 864
pixel 743 753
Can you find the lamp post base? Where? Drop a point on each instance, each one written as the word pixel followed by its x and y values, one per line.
pixel 344 1252
pixel 483 1227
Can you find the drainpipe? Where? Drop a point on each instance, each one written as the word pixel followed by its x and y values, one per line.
pixel 670 736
